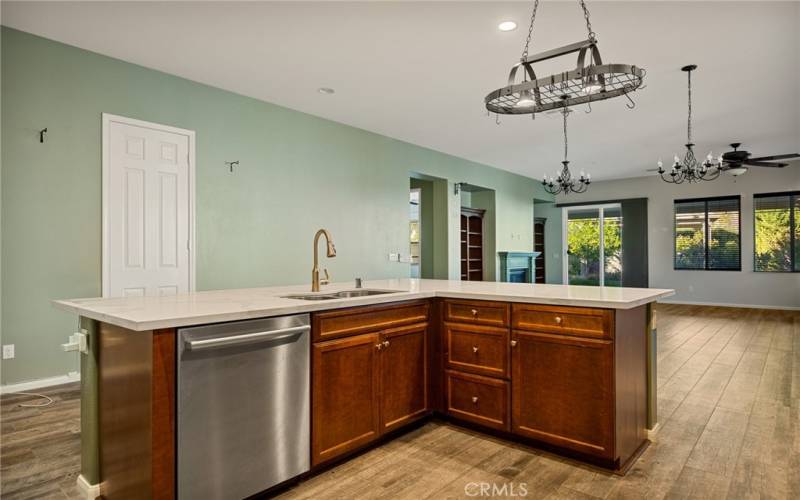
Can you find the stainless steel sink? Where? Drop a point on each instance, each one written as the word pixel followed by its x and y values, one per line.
pixel 344 294
pixel 363 292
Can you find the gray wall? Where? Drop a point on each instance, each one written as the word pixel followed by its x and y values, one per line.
pixel 743 287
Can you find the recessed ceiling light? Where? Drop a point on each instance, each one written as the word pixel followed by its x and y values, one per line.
pixel 507 26
pixel 325 90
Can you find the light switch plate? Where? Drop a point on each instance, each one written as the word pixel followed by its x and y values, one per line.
pixel 8 351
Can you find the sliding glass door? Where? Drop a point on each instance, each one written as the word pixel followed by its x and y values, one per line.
pixel 593 245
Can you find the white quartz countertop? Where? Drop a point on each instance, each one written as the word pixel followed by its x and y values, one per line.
pixel 215 306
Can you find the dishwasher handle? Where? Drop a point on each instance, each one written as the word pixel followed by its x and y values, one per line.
pixel 245 338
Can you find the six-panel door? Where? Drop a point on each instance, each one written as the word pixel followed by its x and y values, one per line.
pixel 404 375
pixel 562 391
pixel 344 398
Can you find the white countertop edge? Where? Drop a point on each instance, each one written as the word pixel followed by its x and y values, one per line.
pixel 301 307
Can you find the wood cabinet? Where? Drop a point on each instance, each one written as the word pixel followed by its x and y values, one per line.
pixel 477 349
pixel 404 375
pixel 563 391
pixel 367 384
pixel 345 390
pixel 575 377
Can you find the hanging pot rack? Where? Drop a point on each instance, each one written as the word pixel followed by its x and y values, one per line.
pixel 585 84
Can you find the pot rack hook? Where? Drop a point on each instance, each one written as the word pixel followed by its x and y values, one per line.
pixel 497 119
pixel 232 164
pixel 589 107
pixel 41 135
pixel 632 104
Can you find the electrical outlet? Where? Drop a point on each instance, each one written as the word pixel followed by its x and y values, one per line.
pixel 393 257
pixel 8 351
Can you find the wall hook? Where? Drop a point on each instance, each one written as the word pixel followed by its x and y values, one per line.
pixel 232 164
pixel 41 135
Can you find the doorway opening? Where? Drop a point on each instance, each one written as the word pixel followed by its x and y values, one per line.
pixel 593 245
pixel 427 227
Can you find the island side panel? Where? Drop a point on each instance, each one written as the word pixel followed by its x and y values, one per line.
pixel 136 381
pixel 630 353
pixel 652 367
pixel 90 446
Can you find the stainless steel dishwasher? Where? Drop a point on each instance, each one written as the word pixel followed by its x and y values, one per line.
pixel 243 406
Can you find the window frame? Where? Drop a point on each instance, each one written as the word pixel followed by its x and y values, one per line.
pixel 706 235
pixel 793 195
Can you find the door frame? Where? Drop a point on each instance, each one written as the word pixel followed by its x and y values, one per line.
pixel 107 120
pixel 565 238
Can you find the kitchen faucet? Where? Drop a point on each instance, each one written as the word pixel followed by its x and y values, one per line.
pixel 315 281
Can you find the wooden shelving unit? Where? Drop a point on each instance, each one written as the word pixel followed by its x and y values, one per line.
pixel 472 244
pixel 538 246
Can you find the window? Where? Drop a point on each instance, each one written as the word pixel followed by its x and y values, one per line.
pixel 707 234
pixel 777 230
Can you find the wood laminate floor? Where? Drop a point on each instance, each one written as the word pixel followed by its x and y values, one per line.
pixel 729 412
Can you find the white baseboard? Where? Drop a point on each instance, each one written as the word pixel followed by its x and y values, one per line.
pixel 724 304
pixel 40 383
pixel 88 491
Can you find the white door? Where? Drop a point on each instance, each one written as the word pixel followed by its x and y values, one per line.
pixel 146 208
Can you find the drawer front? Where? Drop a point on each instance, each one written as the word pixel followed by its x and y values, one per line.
pixel 580 321
pixel 477 349
pixel 477 399
pixel 357 320
pixel 477 312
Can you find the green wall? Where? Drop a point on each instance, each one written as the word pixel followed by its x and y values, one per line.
pixel 297 173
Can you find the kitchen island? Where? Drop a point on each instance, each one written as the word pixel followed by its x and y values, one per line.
pixel 566 368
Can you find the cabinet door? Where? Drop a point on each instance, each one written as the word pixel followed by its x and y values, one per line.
pixel 345 374
pixel 404 375
pixel 562 391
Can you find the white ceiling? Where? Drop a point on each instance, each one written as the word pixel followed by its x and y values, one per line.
pixel 418 71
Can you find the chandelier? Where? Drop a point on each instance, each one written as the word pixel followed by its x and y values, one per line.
pixel 564 183
pixel 589 82
pixel 690 170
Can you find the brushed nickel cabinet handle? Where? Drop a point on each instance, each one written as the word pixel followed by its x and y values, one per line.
pixel 474 312
pixel 513 343
pixel 475 349
pixel 475 399
pixel 558 319
pixel 385 343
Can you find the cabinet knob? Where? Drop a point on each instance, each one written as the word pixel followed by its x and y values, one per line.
pixel 378 346
pixel 474 312
pixel 558 319
pixel 475 399
pixel 385 343
pixel 513 343
pixel 475 349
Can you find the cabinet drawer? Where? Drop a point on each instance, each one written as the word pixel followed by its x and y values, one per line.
pixel 355 320
pixel 477 349
pixel 478 312
pixel 580 321
pixel 478 399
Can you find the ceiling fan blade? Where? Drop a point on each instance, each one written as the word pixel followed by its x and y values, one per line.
pixel 764 164
pixel 776 157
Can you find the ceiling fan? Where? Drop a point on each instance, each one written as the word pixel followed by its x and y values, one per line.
pixel 733 162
